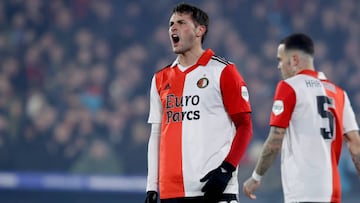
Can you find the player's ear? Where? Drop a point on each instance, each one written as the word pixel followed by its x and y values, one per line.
pixel 200 30
pixel 295 59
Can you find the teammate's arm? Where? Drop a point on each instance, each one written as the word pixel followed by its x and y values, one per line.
pixel 351 135
pixel 352 140
pixel 270 150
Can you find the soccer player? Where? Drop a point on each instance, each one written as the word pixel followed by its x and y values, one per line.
pixel 311 116
pixel 200 119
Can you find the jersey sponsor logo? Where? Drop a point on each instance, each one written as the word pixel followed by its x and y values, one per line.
pixel 202 82
pixel 278 107
pixel 245 93
pixel 173 101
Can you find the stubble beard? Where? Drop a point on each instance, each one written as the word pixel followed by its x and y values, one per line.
pixel 180 50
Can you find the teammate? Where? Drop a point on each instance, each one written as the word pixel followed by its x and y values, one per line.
pixel 311 116
pixel 200 119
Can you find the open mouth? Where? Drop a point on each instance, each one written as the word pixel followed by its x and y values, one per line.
pixel 175 38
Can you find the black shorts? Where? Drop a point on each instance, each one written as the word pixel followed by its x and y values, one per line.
pixel 229 198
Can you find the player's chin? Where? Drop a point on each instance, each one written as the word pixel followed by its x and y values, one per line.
pixel 176 50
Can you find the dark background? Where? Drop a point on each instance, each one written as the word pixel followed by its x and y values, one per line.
pixel 75 78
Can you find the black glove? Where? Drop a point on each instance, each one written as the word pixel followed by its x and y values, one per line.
pixel 217 181
pixel 151 197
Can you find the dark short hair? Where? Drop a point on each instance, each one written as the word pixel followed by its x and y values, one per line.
pixel 199 16
pixel 299 41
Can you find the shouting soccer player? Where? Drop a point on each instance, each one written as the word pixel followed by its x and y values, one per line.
pixel 200 118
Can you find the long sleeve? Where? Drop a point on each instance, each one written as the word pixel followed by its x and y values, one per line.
pixel 242 137
pixel 153 158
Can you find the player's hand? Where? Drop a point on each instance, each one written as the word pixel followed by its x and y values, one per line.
pixel 151 197
pixel 249 187
pixel 216 182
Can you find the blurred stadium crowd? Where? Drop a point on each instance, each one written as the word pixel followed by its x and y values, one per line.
pixel 75 74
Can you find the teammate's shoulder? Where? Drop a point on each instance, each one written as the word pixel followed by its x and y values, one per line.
pixel 285 83
pixel 220 59
pixel 332 86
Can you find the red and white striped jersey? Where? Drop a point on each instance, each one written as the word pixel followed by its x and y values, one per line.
pixel 316 114
pixel 193 108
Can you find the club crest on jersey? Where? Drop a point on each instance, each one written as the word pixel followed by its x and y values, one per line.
pixel 202 82
pixel 278 107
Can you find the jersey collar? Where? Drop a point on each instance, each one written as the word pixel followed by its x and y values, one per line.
pixel 315 74
pixel 202 61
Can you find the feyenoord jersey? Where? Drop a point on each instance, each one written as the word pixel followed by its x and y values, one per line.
pixel 193 108
pixel 316 114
